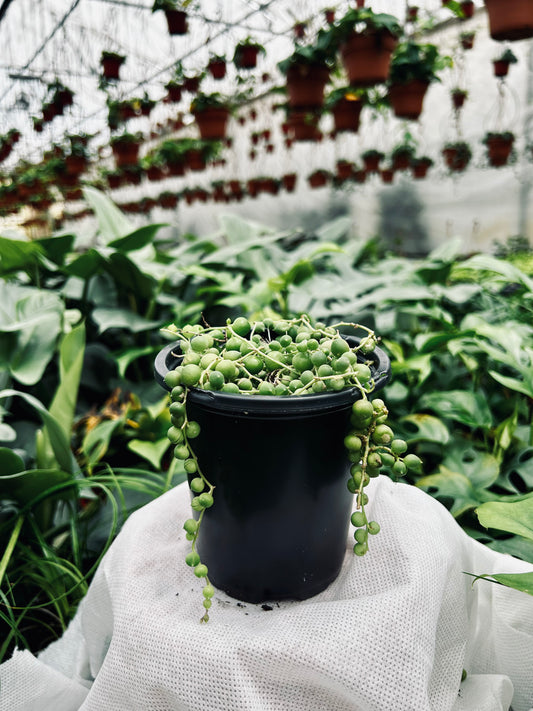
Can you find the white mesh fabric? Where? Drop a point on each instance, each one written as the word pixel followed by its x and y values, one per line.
pixel 394 631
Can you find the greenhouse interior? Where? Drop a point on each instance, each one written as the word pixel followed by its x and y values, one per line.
pixel 266 355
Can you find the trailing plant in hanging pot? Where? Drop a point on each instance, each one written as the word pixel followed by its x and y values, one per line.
pixel 345 105
pixel 403 154
pixel 289 181
pixel 499 147
pixel 111 63
pixel 307 72
pixel 246 53
pixel 175 14
pixel 502 63
pixel 467 40
pixel 371 159
pixel 420 166
pixel 413 68
pixel 211 112
pixel 298 393
pixel 303 125
pixel 319 178
pixel 366 41
pixel 510 19
pixel 457 156
pixel 217 66
pixel 125 148
pixel 459 97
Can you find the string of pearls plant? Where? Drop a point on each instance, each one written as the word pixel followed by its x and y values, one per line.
pixel 286 357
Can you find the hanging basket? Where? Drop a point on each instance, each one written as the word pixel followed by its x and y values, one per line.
pixel 305 85
pixel 111 67
pixel 510 19
pixel 318 179
pixel 176 22
pixel 346 115
pixel 217 69
pixel 344 170
pixel 371 162
pixel 407 100
pixel 387 175
pixel 501 68
pixel 289 182
pixel 455 159
pixel 304 126
pixel 366 57
pixel 499 150
pixel 246 56
pixel 75 165
pixel 212 123
pixel 468 8
pixel 126 153
pixel 194 160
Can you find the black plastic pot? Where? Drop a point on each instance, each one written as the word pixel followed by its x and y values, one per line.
pixel 279 524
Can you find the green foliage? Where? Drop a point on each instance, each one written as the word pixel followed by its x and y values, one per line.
pixel 413 61
pixel 80 324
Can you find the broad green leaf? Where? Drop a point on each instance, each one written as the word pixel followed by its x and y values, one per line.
pixel 7 433
pixel 122 318
pixel 112 223
pixel 521 386
pixel 336 230
pixel 31 322
pixel 57 248
pixel 523 582
pixel 452 486
pixel 486 262
pixel 10 462
pixel 460 405
pixel 96 441
pixel 516 546
pixel 126 274
pixel 63 405
pixel 515 517
pixel 137 239
pixel 448 251
pixel 481 468
pixel 18 255
pixel 428 428
pixel 517 581
pixel 123 360
pixel 151 451
pixel 420 364
pixel 86 265
pixel 24 486
pixel 520 465
pixel 60 444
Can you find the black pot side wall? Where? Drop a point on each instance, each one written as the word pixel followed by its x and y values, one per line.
pixel 279 524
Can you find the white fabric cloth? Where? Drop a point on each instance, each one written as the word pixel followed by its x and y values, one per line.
pixel 394 631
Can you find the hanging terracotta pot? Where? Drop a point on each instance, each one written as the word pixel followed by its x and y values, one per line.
pixel 299 30
pixel 359 176
pixel 111 64
pixel 456 157
pixel 329 14
pixel 168 201
pixel 510 19
pixel 191 84
pixel 303 126
pixel 126 153
pixel 501 68
pixel 195 160
pixel 371 161
pixel 387 175
pixel 305 85
pixel 318 179
pixel 176 22
pixel 346 115
pixel 154 173
pixel 176 168
pixel 173 92
pixel 412 13
pixel 458 98
pixel 344 170
pixel 468 7
pixel 289 182
pixel 212 123
pixel 217 68
pixel 401 160
pixel 366 57
pixel 75 165
pixel 467 40
pixel 246 56
pixel 499 149
pixel 407 100
pixel 420 168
